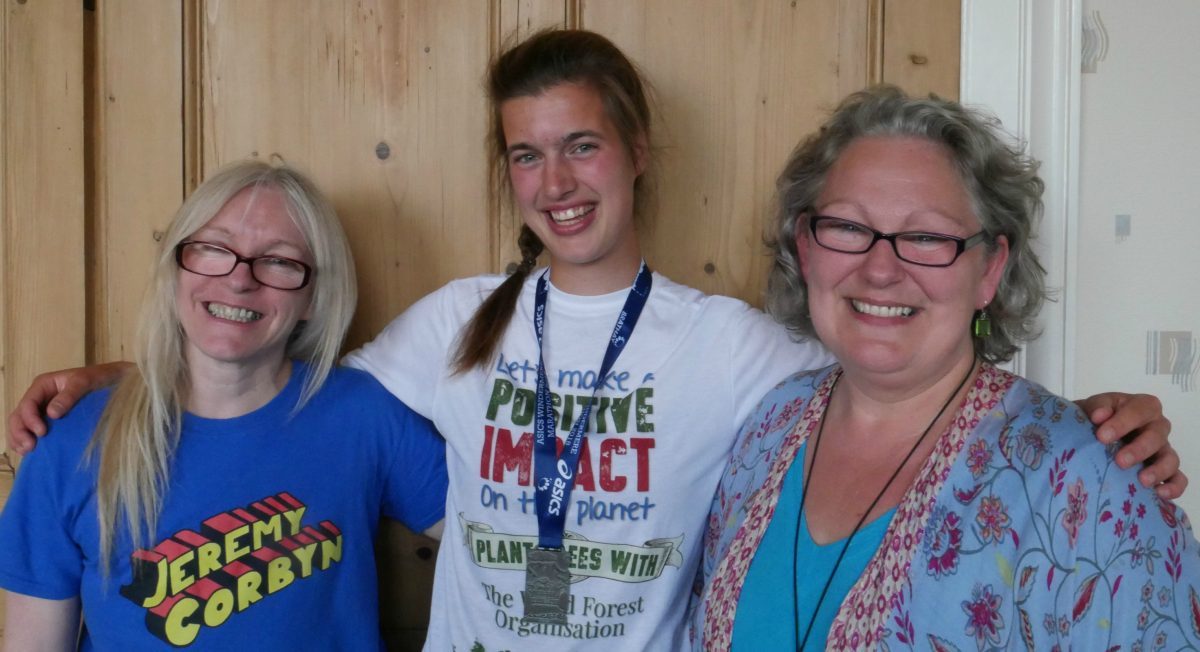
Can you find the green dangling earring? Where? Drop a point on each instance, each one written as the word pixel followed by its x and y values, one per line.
pixel 982 326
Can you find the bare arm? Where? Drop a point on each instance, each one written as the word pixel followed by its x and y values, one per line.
pixel 1138 419
pixel 40 625
pixel 55 392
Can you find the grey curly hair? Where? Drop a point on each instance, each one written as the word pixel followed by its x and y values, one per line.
pixel 1001 180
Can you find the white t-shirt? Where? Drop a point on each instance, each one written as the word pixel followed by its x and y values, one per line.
pixel 659 437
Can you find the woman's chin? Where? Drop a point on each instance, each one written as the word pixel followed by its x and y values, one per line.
pixel 874 357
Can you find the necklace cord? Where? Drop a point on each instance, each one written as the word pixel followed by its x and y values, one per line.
pixel 841 555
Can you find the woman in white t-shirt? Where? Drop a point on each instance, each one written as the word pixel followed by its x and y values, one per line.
pixel 622 513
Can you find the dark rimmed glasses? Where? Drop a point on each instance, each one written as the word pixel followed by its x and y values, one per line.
pixel 916 247
pixel 208 259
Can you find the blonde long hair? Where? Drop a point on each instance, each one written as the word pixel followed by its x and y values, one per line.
pixel 137 433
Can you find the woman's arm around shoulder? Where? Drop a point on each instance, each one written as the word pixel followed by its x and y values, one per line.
pixel 52 395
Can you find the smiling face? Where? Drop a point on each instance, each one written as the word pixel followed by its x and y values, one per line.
pixel 904 323
pixel 235 319
pixel 573 181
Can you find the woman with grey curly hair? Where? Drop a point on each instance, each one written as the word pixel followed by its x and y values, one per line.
pixel 1001 181
pixel 943 501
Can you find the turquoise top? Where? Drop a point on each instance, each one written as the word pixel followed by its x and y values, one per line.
pixel 761 622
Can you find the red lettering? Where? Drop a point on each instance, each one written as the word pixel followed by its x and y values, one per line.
pixel 485 458
pixel 584 480
pixel 608 448
pixel 510 457
pixel 642 445
pixel 501 456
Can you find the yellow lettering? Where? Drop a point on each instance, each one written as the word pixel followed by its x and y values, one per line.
pixel 247 589
pixel 279 574
pixel 235 549
pixel 304 555
pixel 209 557
pixel 177 628
pixel 146 575
pixel 331 551
pixel 180 578
pixel 218 608
pixel 270 526
pixel 293 518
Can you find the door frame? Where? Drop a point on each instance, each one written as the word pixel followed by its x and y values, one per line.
pixel 1021 60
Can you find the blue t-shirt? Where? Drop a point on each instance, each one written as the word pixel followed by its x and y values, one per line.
pixel 267 529
pixel 763 621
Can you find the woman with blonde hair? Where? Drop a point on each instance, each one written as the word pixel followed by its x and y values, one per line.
pixel 230 487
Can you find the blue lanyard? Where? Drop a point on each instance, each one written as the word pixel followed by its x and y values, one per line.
pixel 554 475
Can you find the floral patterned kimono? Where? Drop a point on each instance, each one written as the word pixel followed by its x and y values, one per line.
pixel 1020 532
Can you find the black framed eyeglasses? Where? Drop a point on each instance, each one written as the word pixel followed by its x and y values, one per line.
pixel 208 259
pixel 916 247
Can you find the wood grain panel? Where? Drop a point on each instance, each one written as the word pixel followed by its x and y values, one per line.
pixel 5 381
pixel 921 45
pixel 136 131
pixel 6 482
pixel 380 102
pixel 42 192
pixel 6 476
pixel 738 85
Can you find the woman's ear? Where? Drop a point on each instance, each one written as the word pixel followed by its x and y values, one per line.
pixel 802 237
pixel 641 154
pixel 997 262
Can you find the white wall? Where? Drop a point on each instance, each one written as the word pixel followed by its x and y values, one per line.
pixel 1139 155
pixel 1122 140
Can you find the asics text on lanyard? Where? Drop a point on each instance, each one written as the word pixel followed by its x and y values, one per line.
pixel 547 578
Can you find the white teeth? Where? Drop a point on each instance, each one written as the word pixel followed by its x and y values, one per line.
pixel 242 315
pixel 882 311
pixel 569 214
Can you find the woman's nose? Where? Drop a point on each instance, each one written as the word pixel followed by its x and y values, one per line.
pixel 242 276
pixel 558 180
pixel 880 262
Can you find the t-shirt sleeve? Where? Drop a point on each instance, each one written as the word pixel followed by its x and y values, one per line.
pixel 415 484
pixel 763 353
pixel 411 355
pixel 38 554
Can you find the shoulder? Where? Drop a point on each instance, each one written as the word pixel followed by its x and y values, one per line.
pixel 55 463
pixel 681 297
pixel 726 317
pixel 423 334
pixel 753 339
pixel 801 385
pixel 1034 417
pixel 358 390
pixel 781 407
pixel 456 298
pixel 74 430
pixel 473 288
